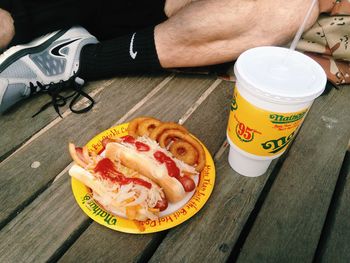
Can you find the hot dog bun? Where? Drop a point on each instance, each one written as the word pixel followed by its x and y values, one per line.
pixel 101 193
pixel 86 178
pixel 148 167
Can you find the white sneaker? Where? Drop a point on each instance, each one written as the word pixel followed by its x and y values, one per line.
pixel 48 64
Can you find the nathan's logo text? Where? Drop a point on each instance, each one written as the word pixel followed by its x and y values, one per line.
pixel 277 145
pixel 281 119
pixel 97 211
pixel 234 105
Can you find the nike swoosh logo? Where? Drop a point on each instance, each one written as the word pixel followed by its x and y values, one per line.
pixel 56 51
pixel 131 51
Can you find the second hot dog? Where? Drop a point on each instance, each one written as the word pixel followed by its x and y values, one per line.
pixel 146 157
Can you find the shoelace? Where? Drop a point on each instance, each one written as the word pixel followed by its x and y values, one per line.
pixel 57 101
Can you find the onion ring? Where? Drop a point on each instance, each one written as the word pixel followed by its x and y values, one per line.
pixel 132 128
pixel 184 151
pixel 188 138
pixel 145 127
pixel 156 133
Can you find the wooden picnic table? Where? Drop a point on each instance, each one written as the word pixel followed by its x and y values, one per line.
pixel 297 212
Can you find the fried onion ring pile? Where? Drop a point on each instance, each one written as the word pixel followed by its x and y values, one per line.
pixel 178 135
pixel 183 151
pixel 147 126
pixel 142 126
pixel 166 126
pixel 171 136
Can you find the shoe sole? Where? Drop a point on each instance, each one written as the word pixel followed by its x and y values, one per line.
pixel 23 50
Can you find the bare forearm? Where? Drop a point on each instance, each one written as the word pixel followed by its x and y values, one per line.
pixel 210 32
pixel 7 29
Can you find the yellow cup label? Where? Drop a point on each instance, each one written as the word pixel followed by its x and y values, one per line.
pixel 261 132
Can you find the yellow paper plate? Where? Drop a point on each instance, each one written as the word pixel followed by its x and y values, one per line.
pixel 174 215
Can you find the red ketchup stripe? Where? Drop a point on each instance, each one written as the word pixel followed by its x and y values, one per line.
pixel 107 170
pixel 174 171
pixel 128 139
pixel 140 146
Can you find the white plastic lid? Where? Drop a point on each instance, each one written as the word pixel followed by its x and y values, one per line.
pixel 280 74
pixel 247 166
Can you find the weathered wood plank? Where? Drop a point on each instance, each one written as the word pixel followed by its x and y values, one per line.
pixel 211 235
pixel 17 125
pixel 209 121
pixel 336 245
pixel 290 222
pixel 215 107
pixel 31 235
pixel 170 102
pixel 104 245
pixel 19 182
pixel 52 243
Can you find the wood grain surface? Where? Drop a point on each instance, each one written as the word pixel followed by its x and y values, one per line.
pixel 335 242
pixel 17 125
pixel 297 212
pixel 290 222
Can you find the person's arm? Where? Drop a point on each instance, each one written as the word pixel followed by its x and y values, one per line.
pixel 7 30
pixel 209 32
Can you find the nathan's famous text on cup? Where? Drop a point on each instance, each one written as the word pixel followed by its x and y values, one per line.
pixel 261 132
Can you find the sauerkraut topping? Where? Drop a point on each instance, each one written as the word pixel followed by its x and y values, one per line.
pixel 107 170
pixel 125 190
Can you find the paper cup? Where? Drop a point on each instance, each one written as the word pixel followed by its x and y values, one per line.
pixel 274 90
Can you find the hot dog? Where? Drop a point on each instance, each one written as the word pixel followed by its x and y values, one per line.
pixel 145 156
pixel 118 189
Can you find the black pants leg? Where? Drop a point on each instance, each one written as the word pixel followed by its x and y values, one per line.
pixel 33 18
pixel 105 19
